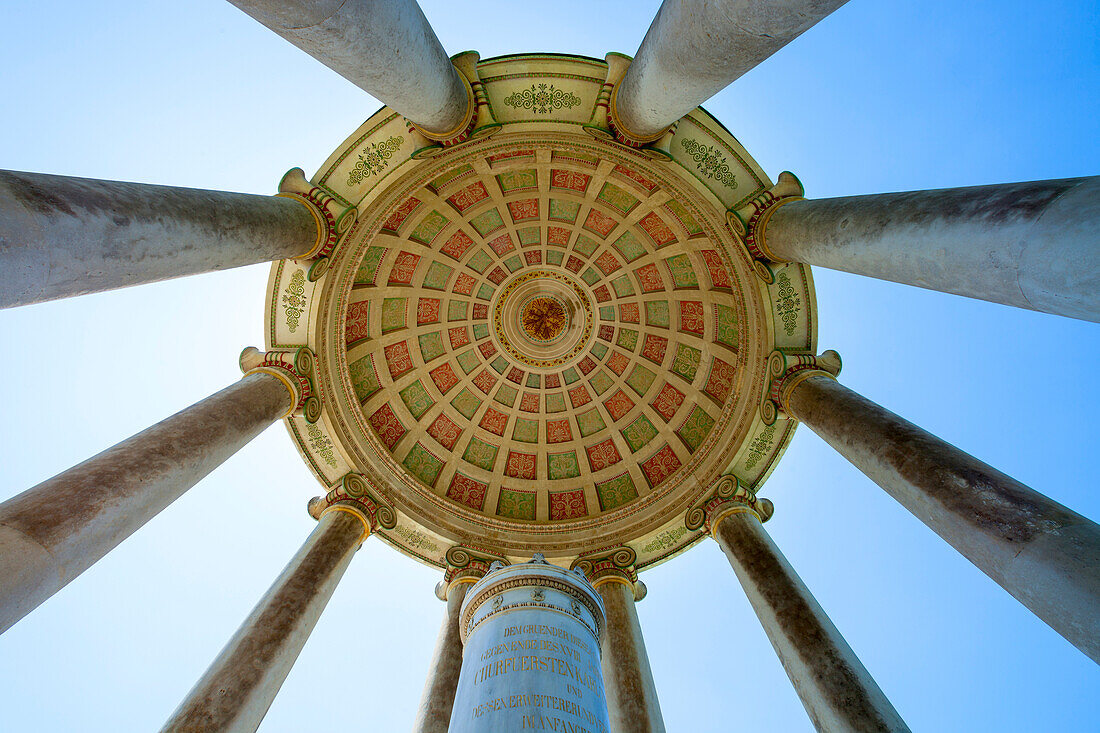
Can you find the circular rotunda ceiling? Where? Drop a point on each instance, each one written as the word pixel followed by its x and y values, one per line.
pixel 540 340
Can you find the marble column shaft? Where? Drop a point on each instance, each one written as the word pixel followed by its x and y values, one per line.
pixel 837 690
pixel 387 48
pixel 1032 245
pixel 239 687
pixel 63 236
pixel 56 530
pixel 1045 555
pixel 438 698
pixel 632 703
pixel 693 50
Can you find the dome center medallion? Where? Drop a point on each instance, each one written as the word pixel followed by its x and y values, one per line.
pixel 544 318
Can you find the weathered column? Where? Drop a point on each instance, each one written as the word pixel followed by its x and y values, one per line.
pixel 1032 245
pixel 1045 555
pixel 531 645
pixel 62 236
pixel 694 50
pixel 386 48
pixel 837 691
pixel 241 684
pixel 56 530
pixel 464 568
pixel 632 704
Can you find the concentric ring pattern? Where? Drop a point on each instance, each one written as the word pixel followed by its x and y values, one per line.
pixel 482 412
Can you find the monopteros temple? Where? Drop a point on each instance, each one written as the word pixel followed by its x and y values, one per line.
pixel 542 322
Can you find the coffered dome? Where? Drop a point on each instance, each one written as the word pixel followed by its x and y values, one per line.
pixel 540 340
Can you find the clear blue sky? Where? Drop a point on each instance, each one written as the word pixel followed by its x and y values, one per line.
pixel 879 97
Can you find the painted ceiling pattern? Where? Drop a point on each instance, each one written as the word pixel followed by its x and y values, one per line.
pixel 609 377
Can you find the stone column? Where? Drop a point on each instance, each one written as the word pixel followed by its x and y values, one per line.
pixel 464 568
pixel 1045 555
pixel 837 691
pixel 531 638
pixel 56 530
pixel 387 49
pixel 694 50
pixel 241 684
pixel 632 704
pixel 1032 245
pixel 62 236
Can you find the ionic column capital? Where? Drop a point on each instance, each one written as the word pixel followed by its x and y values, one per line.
pixel 465 565
pixel 749 223
pixel 333 218
pixel 294 368
pixel 728 496
pixel 788 369
pixel 353 494
pixel 615 565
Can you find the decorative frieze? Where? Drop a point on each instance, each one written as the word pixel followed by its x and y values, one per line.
pixel 788 369
pixel 294 367
pixel 333 217
pixel 728 496
pixel 353 493
pixel 749 222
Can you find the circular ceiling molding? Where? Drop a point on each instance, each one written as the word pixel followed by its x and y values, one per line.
pixel 541 341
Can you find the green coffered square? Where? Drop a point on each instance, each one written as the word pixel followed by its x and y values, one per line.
pixel 431 345
pixel 481 454
pixel 468 360
pixel 437 276
pixel 562 465
pixel 590 422
pixel 725 331
pixel 686 363
pixel 456 310
pixel 526 431
pixel 516 504
pixel 555 402
pixel 480 261
pixel 640 379
pixel 364 380
pixel 638 433
pixel 393 314
pixel 683 274
pixel 616 492
pixel 628 339
pixel 506 395
pixel 695 428
pixel 656 313
pixel 466 402
pixel 422 464
pixel 417 399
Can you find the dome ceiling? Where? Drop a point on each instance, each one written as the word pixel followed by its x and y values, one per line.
pixel 539 340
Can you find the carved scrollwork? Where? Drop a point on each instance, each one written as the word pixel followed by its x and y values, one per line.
pixel 749 222
pixel 728 495
pixel 333 218
pixel 355 491
pixel 786 370
pixel 294 367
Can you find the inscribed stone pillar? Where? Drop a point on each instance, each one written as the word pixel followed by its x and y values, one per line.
pixel 837 691
pixel 1033 245
pixel 56 530
pixel 1045 555
pixel 632 703
pixel 63 236
pixel 241 684
pixel 531 646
